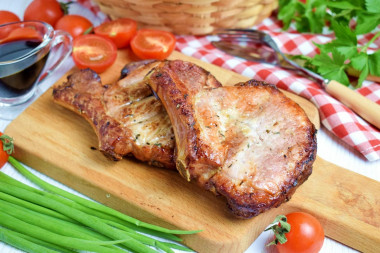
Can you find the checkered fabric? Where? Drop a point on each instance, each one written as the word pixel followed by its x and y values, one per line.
pixel 335 116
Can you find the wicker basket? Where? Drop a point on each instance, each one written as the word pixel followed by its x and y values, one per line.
pixel 196 17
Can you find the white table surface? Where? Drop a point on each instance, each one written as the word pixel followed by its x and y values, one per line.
pixel 330 148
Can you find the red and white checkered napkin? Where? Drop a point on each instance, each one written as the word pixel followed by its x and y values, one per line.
pixel 336 117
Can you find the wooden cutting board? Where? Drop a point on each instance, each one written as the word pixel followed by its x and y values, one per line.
pixel 60 144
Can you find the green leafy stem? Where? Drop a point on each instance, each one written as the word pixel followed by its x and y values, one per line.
pixel 342 55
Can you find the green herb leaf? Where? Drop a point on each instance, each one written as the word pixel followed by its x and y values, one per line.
pixel 343 52
pixel 360 63
pixel 333 67
pixel 372 6
pixel 342 5
pixel 344 34
pixel 287 11
pixel 374 63
pixel 367 21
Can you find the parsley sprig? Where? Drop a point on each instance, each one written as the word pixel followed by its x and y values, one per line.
pixel 348 20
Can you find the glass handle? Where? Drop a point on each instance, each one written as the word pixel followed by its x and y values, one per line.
pixel 61 48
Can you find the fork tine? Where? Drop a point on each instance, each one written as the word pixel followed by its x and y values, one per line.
pixel 243 35
pixel 249 35
pixel 247 31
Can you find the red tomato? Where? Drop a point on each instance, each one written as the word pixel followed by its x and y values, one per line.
pixel 306 234
pixel 6 148
pixel 94 52
pixel 48 11
pixel 74 24
pixel 153 44
pixel 120 31
pixel 22 33
pixel 7 17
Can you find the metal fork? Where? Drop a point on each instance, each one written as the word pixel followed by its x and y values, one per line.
pixel 259 46
pixel 264 49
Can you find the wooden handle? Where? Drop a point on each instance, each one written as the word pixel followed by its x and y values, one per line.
pixel 367 109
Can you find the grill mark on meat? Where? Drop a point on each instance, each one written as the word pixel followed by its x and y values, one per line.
pixel 126 116
pixel 248 143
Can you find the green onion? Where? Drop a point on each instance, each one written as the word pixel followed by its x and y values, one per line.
pixel 126 226
pixel 16 241
pixel 22 227
pixel 90 204
pixel 148 240
pixel 88 220
pixel 32 206
pixel 40 242
pixel 50 223
pixel 61 221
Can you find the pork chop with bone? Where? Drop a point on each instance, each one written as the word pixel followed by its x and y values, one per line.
pixel 126 116
pixel 248 142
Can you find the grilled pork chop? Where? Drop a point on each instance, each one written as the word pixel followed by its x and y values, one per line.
pixel 126 117
pixel 248 143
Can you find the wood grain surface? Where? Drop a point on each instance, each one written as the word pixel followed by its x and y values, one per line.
pixel 59 143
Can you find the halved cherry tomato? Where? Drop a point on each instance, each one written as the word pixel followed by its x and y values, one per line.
pixel 120 31
pixel 74 24
pixel 49 11
pixel 7 17
pixel 153 44
pixel 22 33
pixel 6 148
pixel 306 234
pixel 94 52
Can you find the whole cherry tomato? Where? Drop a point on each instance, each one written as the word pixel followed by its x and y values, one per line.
pixel 74 24
pixel 6 148
pixel 94 52
pixel 120 31
pixel 153 44
pixel 306 234
pixel 7 17
pixel 49 11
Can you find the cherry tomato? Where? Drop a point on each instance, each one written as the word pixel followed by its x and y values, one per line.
pixel 306 234
pixel 22 33
pixel 6 148
pixel 49 11
pixel 120 31
pixel 153 44
pixel 94 52
pixel 74 24
pixel 7 17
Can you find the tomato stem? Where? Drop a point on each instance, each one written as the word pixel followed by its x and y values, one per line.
pixel 89 30
pixel 280 227
pixel 8 146
pixel 65 7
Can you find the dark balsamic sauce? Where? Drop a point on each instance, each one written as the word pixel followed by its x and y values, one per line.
pixel 18 78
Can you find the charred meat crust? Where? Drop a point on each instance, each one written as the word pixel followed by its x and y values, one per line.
pixel 125 115
pixel 248 143
pixel 169 81
pixel 252 204
pixel 130 67
pixel 82 93
pixel 115 117
pixel 304 170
